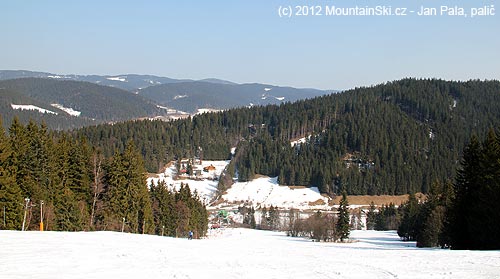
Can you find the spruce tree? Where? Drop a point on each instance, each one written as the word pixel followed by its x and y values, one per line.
pixel 472 217
pixel 371 217
pixel 409 226
pixel 10 194
pixel 342 225
pixel 127 194
pixel 253 224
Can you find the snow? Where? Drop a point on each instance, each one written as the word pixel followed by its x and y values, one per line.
pixel 205 185
pixel 266 191
pixel 32 107
pixel 151 81
pixel 265 96
pixel 122 79
pixel 206 110
pixel 180 97
pixel 299 141
pixel 231 253
pixel 431 134
pixel 171 111
pixel 69 111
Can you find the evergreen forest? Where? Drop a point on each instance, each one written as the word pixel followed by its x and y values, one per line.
pixel 393 138
pixel 463 214
pixel 56 182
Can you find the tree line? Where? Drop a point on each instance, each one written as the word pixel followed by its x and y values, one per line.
pixel 73 186
pixel 462 214
pixel 394 138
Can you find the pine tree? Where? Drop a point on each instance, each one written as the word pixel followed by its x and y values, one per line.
pixel 10 194
pixel 264 218
pixel 474 212
pixel 274 217
pixel 68 216
pixel 253 224
pixel 127 194
pixel 409 226
pixel 432 226
pixel 371 217
pixel 342 225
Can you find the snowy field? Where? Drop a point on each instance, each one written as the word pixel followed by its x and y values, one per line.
pixel 264 191
pixel 232 253
pixel 205 188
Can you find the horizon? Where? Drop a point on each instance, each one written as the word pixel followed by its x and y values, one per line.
pixel 248 42
pixel 187 79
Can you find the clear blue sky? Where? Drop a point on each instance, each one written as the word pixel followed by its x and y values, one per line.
pixel 246 41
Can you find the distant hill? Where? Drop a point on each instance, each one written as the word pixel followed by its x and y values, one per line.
pixel 129 82
pixel 190 96
pixel 74 103
pixel 184 94
pixel 216 80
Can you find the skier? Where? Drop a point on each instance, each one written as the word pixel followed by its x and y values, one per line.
pixel 190 235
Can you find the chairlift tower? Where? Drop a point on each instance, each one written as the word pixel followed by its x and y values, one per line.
pixel 41 216
pixel 27 200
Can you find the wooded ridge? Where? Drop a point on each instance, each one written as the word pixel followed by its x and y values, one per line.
pixel 393 138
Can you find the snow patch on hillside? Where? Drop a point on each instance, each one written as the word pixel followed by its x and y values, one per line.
pixel 265 96
pixel 151 81
pixel 177 97
pixel 266 191
pixel 206 110
pixel 122 79
pixel 263 191
pixel 431 134
pixel 300 141
pixel 69 111
pixel 32 107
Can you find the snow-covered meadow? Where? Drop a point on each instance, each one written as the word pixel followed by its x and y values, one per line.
pixel 231 253
pixel 266 191
pixel 263 191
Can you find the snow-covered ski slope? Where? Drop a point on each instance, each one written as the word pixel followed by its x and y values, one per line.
pixel 266 191
pixel 231 253
pixel 263 191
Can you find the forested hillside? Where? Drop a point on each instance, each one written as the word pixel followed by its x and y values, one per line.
pixel 58 121
pixel 129 82
pixel 95 103
pixel 193 95
pixel 392 138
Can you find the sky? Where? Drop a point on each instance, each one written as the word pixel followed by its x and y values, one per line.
pixel 247 41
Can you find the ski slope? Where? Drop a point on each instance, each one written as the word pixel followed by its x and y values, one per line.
pixel 266 191
pixel 231 253
pixel 263 191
